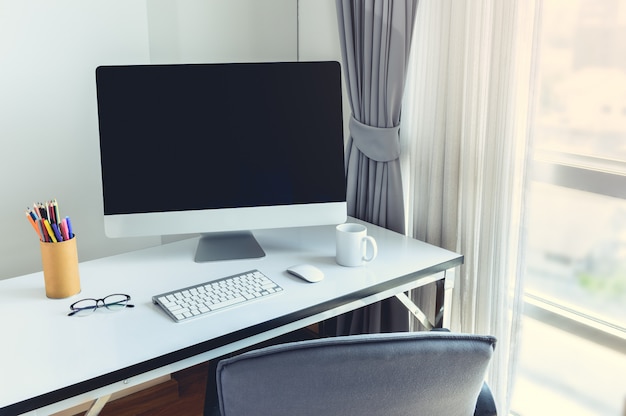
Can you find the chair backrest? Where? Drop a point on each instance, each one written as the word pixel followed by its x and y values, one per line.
pixel 421 373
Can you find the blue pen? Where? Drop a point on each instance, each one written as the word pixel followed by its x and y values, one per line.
pixel 33 215
pixel 57 233
pixel 70 233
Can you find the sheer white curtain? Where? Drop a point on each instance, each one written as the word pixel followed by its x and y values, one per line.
pixel 465 137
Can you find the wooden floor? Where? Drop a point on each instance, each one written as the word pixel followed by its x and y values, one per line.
pixel 183 394
pixel 191 389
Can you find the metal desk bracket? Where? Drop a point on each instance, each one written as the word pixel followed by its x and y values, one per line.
pixel 417 312
pixel 97 406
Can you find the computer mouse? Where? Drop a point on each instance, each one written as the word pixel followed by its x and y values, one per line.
pixel 307 272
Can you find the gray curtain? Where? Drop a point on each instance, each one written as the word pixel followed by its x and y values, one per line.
pixel 375 38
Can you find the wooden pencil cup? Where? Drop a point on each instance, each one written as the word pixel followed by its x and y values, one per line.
pixel 60 268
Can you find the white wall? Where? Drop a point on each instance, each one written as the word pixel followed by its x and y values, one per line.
pixel 319 40
pixel 48 121
pixel 318 34
pixel 48 125
pixel 194 31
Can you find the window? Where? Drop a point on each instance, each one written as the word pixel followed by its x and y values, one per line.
pixel 577 229
pixel 576 248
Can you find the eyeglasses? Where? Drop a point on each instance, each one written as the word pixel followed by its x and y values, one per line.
pixel 113 303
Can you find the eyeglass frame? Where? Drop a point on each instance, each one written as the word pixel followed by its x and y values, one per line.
pixel 100 303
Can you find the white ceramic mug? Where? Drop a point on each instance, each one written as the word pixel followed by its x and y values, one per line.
pixel 352 241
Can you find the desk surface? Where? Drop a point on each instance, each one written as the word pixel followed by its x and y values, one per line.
pixel 47 357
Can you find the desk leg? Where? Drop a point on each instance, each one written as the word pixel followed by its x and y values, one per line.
pixel 211 402
pixel 440 303
pixel 444 299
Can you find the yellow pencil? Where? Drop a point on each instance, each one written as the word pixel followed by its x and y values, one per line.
pixel 50 232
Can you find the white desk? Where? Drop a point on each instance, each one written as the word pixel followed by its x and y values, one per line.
pixel 49 361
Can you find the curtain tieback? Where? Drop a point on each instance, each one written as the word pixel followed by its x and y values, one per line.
pixel 381 144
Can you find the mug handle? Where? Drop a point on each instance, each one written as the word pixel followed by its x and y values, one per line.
pixel 364 242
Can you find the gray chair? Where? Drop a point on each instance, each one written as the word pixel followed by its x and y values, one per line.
pixel 421 373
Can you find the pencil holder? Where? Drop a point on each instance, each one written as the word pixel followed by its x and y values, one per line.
pixel 60 268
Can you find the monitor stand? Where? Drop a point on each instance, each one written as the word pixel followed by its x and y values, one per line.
pixel 228 246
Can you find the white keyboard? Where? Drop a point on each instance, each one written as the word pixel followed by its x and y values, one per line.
pixel 199 300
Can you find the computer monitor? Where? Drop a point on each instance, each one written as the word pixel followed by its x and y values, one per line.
pixel 221 149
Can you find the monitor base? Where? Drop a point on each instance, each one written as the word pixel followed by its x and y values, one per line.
pixel 228 246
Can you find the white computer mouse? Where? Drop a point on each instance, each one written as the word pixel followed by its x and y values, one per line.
pixel 307 272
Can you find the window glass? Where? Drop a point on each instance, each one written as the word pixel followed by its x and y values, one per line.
pixel 576 255
pixel 582 106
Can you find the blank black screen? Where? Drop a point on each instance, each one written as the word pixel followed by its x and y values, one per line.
pixel 209 136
